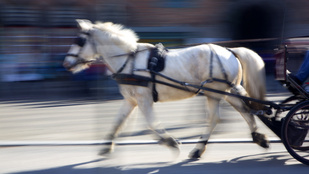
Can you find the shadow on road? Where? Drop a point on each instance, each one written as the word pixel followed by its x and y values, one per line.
pixel 277 162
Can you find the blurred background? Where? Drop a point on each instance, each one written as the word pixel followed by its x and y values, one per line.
pixel 40 101
pixel 35 34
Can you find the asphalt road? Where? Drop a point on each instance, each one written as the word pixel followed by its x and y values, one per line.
pixel 50 134
pixel 235 158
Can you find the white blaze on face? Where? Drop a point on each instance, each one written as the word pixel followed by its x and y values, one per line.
pixel 70 60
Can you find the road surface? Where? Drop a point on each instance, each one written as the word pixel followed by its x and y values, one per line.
pixel 63 135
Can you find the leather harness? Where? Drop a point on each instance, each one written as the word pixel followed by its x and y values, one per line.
pixel 156 63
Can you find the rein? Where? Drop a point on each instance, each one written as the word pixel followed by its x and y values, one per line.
pixel 133 79
pixel 183 86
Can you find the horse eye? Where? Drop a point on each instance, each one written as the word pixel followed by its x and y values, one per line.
pixel 80 41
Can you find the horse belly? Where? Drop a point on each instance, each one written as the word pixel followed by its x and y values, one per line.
pixel 172 94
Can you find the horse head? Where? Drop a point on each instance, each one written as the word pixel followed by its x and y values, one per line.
pixel 81 52
pixel 98 40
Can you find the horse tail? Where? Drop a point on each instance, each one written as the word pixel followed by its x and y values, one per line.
pixel 253 74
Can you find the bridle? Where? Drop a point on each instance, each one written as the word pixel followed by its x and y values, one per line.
pixel 81 41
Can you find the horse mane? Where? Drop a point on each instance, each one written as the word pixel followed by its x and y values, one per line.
pixel 119 34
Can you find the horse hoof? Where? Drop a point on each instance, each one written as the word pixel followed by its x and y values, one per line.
pixel 260 139
pixel 170 142
pixel 196 153
pixel 105 151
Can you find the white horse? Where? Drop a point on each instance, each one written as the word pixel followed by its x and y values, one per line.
pixel 197 65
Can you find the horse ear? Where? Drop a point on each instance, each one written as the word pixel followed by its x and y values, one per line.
pixel 84 24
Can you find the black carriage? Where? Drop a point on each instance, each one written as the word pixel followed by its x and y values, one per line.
pixel 291 119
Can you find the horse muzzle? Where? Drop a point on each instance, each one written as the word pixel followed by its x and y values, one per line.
pixel 69 62
pixel 67 65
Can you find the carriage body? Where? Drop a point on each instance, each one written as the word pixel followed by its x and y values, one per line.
pixel 280 66
pixel 291 119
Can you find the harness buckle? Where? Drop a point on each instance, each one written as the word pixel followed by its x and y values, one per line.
pixel 203 83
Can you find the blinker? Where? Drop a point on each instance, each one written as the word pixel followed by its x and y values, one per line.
pixel 80 41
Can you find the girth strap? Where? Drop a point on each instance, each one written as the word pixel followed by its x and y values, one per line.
pixel 156 63
pixel 154 89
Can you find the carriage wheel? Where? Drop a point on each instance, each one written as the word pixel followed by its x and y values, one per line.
pixel 294 132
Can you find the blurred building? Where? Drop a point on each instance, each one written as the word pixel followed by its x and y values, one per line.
pixel 36 34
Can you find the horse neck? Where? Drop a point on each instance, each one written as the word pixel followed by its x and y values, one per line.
pixel 115 56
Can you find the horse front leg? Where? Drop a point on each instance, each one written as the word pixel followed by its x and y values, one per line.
pixel 146 106
pixel 213 107
pixel 124 112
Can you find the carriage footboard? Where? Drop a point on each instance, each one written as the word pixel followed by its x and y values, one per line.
pixel 272 124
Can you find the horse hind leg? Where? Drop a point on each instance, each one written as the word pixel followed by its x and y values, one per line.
pixel 241 107
pixel 124 112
